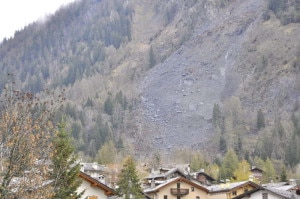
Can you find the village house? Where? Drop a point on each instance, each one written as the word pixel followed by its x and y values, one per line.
pixel 256 174
pixel 93 188
pixel 161 175
pixel 267 193
pixel 94 170
pixel 203 177
pixel 100 172
pixel 231 190
pixel 180 187
pixel 174 183
pixel 175 188
pixel 288 189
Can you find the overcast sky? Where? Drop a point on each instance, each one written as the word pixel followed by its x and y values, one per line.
pixel 15 14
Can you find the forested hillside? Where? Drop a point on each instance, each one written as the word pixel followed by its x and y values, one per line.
pixel 76 45
pixel 168 78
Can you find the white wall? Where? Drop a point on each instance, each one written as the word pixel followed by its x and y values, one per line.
pixel 258 195
pixel 91 190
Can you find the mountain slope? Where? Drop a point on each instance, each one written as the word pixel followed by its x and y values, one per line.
pixel 149 73
pixel 200 73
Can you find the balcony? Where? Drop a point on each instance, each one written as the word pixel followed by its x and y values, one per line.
pixel 179 192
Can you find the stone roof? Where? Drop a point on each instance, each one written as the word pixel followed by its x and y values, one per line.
pixel 229 186
pixel 280 192
pixel 158 174
pixel 157 188
pixel 253 168
pixel 206 175
pixel 96 183
pixel 92 167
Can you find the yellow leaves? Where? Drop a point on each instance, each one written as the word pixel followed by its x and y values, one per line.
pixel 25 146
pixel 242 173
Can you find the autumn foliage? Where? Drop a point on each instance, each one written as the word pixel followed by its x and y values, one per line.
pixel 26 125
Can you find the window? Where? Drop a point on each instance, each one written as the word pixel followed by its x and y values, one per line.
pixel 178 185
pixel 178 197
pixel 165 197
pixel 192 188
pixel 92 197
pixel 197 197
pixel 264 195
pixel 234 193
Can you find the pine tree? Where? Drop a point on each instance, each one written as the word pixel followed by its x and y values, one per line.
pixel 109 106
pixel 229 164
pixel 269 171
pixel 260 123
pixel 217 116
pixel 128 183
pixel 283 175
pixel 65 167
pixel 223 144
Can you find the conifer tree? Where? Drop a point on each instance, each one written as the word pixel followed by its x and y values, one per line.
pixel 260 123
pixel 65 166
pixel 283 175
pixel 128 183
pixel 109 106
pixel 269 171
pixel 229 164
pixel 217 115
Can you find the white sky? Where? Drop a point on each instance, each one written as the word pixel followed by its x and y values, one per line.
pixel 15 14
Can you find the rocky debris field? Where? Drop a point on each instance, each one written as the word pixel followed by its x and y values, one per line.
pixel 177 95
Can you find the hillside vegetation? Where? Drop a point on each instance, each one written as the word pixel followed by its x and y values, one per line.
pixel 162 78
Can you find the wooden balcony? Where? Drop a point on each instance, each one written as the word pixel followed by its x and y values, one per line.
pixel 179 192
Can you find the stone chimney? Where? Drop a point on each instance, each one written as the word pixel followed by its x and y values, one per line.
pixel 189 169
pixel 102 179
pixel 292 182
pixel 251 178
pixel 152 183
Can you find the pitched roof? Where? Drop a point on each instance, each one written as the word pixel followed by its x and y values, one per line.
pixel 206 175
pixel 92 166
pixel 280 185
pixel 173 180
pixel 280 193
pixel 157 174
pixel 256 169
pixel 247 193
pixel 230 186
pixel 283 193
pixel 108 191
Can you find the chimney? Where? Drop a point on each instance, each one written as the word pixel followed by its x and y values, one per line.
pixel 251 178
pixel 81 167
pixel 95 165
pixel 152 183
pixel 227 183
pixel 102 179
pixel 292 182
